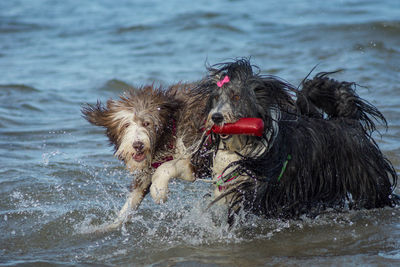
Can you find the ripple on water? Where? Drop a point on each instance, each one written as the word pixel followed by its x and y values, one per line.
pixel 11 26
pixel 116 86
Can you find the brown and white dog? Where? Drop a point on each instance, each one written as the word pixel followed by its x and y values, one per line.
pixel 154 132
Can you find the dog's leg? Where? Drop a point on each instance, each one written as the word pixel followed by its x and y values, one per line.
pixel 140 188
pixel 179 168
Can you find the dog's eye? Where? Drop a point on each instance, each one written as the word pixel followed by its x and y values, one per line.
pixel 236 98
pixel 216 97
pixel 146 124
pixel 126 125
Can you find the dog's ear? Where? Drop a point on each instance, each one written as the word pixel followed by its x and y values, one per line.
pixel 169 108
pixel 96 114
pixel 273 91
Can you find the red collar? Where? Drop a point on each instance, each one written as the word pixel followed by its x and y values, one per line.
pixel 171 146
pixel 157 164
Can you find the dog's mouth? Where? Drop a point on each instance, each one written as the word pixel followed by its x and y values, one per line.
pixel 139 157
pixel 217 129
pixel 225 136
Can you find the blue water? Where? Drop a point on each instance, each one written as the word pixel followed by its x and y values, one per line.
pixel 58 177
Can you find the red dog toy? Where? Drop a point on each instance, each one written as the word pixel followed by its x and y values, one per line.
pixel 245 126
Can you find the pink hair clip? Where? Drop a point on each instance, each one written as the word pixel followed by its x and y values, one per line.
pixel 223 81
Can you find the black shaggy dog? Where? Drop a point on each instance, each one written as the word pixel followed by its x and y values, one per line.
pixel 316 152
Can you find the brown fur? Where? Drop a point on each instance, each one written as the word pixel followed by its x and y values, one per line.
pixel 168 123
pixel 160 109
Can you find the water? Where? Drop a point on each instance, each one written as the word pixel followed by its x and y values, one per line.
pixel 58 178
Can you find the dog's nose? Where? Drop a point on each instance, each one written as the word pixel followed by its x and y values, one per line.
pixel 138 146
pixel 217 118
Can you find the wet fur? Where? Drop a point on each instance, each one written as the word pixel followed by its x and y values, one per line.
pixel 323 138
pixel 166 123
pixel 134 110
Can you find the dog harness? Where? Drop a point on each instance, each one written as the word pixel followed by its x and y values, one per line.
pixel 157 164
pixel 289 157
pixel 222 181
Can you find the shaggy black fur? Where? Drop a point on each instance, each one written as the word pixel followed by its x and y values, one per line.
pixel 321 154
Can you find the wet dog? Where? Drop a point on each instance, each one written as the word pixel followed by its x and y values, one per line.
pixel 153 131
pixel 316 152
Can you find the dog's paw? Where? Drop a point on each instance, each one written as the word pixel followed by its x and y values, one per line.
pixel 110 227
pixel 103 228
pixel 159 192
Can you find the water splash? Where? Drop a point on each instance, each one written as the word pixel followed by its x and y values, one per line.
pixel 47 156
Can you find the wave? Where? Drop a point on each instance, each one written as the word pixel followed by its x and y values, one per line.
pixel 134 28
pixel 116 85
pixel 16 87
pixel 16 26
pixel 188 21
pixel 389 28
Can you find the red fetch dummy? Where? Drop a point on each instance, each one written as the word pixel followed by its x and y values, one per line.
pixel 245 126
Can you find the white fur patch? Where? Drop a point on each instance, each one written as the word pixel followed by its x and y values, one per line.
pixel 133 132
